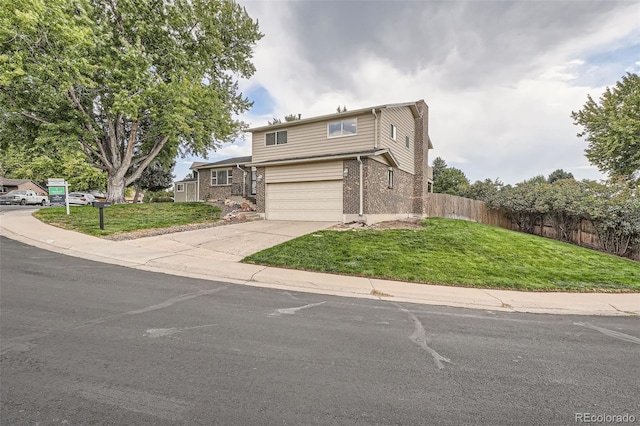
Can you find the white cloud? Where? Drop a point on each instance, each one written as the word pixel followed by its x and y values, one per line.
pixel 501 78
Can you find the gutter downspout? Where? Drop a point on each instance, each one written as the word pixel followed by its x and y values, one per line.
pixel 375 128
pixel 361 212
pixel 244 179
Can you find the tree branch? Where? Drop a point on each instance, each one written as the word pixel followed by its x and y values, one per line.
pixel 157 147
pixel 113 145
pixel 88 123
pixel 34 117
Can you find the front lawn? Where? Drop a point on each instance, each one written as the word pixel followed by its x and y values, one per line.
pixel 456 252
pixel 123 218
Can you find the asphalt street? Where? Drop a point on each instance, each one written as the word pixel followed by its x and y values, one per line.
pixel 86 343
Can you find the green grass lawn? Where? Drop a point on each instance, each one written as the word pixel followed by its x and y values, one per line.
pixel 456 252
pixel 122 218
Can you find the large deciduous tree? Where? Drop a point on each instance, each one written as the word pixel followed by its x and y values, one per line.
pixel 126 80
pixel 612 129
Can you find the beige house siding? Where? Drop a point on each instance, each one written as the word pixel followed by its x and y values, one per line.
pixel 381 159
pixel 308 172
pixel 403 119
pixel 179 196
pixel 310 139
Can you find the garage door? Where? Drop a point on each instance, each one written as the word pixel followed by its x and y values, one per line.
pixel 315 201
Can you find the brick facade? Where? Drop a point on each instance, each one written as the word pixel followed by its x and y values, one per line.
pixel 379 198
pixel 421 159
pixel 351 187
pixel 260 190
pixel 219 192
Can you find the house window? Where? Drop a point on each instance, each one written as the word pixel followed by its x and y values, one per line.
pixel 394 132
pixel 407 142
pixel 180 187
pixel 220 177
pixel 276 138
pixel 390 178
pixel 348 127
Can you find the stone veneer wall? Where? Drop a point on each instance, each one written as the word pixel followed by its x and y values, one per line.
pixel 351 188
pixel 209 192
pixel 379 198
pixel 260 190
pixel 421 159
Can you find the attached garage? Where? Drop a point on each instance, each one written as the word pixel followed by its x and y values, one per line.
pixel 305 192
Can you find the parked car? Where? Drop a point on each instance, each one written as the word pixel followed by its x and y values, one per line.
pixel 23 197
pixel 99 195
pixel 81 198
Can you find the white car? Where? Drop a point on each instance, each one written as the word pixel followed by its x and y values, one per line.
pixel 81 198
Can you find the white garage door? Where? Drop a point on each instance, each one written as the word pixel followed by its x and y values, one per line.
pixel 314 201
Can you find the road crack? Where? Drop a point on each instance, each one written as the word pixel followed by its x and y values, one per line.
pixel 419 337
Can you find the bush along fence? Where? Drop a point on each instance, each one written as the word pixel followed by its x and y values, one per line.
pixel 603 217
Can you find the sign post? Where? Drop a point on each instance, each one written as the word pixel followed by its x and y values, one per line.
pixel 58 192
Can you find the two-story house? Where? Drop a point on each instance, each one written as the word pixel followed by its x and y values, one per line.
pixel 366 165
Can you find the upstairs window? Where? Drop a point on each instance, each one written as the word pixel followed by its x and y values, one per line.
pixel 407 142
pixel 348 127
pixel 276 138
pixel 394 132
pixel 220 177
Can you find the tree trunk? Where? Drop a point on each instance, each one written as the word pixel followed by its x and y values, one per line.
pixel 136 196
pixel 115 189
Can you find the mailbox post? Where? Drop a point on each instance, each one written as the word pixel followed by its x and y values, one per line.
pixel 101 205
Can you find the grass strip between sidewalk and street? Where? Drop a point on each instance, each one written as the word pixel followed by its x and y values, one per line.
pixel 124 218
pixel 457 252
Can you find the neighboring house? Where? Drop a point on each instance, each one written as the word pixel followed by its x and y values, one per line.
pixel 366 165
pixel 224 179
pixel 7 185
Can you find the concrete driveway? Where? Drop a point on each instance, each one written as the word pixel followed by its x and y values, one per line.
pixel 231 242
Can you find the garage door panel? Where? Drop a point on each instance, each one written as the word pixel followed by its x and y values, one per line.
pixel 317 201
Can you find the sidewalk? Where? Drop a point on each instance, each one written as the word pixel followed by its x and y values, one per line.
pixel 163 254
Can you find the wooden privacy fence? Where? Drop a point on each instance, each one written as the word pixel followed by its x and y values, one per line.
pixel 454 207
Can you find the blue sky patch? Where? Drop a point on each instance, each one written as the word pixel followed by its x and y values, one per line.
pixel 262 101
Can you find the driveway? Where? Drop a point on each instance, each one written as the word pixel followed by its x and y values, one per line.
pixel 231 242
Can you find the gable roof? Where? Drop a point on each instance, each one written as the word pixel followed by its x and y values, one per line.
pixel 340 115
pixel 227 162
pixel 385 152
pixel 17 182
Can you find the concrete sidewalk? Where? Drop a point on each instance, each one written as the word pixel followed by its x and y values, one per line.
pixel 196 254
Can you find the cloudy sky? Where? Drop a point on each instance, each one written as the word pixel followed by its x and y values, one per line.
pixel 500 77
